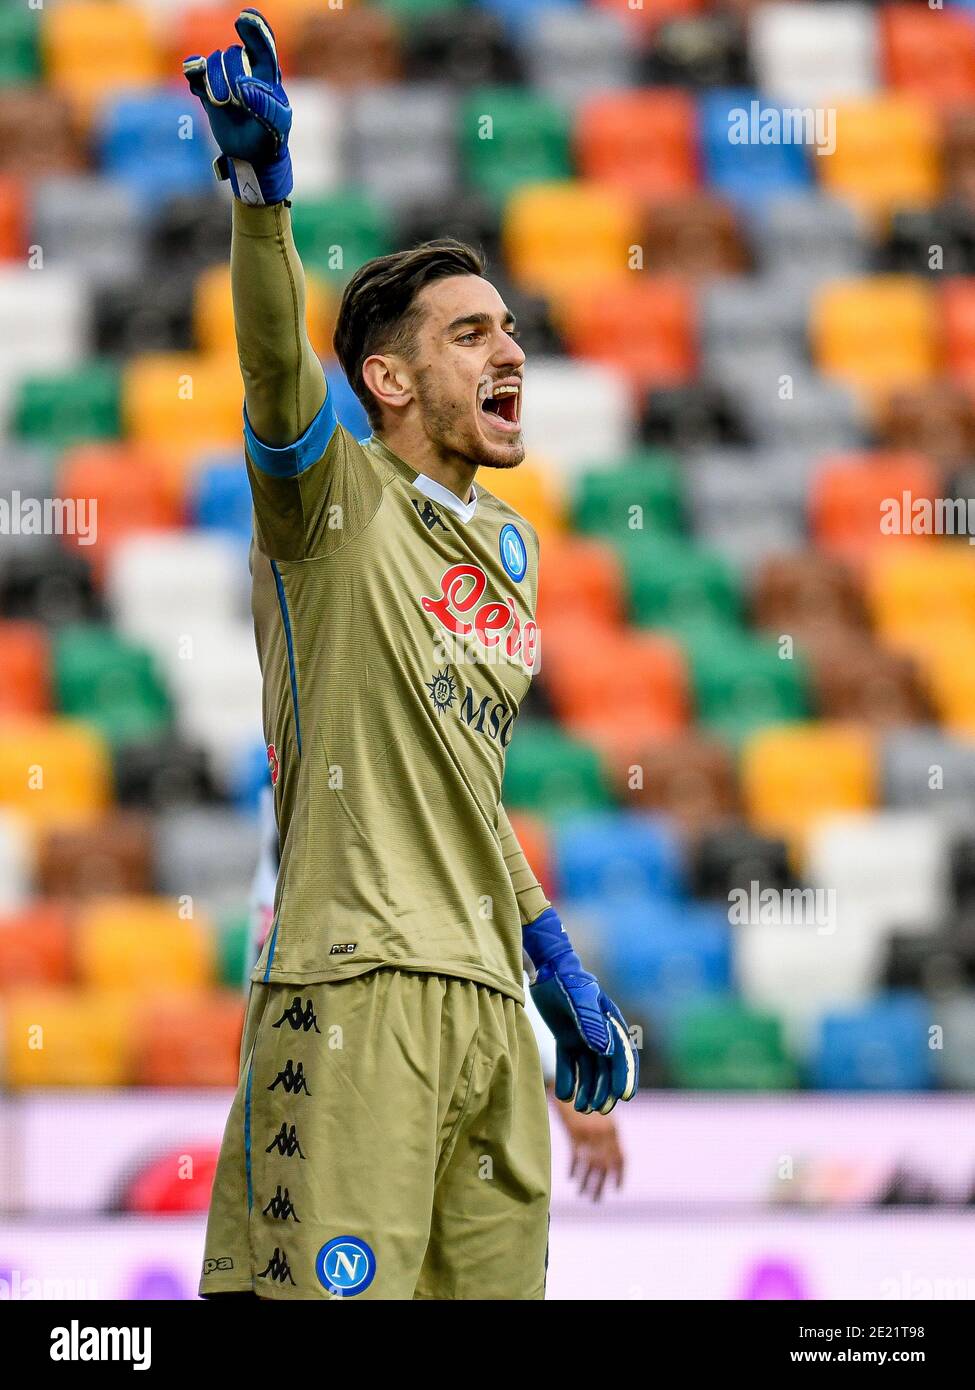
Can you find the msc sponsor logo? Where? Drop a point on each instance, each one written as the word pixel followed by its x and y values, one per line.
pixel 462 610
pixel 492 719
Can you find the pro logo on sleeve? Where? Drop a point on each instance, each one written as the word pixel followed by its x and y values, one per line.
pixel 514 556
pixel 345 1266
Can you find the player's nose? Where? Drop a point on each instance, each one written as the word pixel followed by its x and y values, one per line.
pixel 508 353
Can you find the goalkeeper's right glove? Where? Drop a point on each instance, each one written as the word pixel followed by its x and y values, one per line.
pixel 248 111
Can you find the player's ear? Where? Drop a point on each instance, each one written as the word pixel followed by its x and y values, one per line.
pixel 388 380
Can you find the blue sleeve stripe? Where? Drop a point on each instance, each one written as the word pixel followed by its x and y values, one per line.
pixel 293 459
pixel 293 674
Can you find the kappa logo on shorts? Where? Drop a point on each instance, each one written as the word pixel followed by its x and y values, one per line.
pixel 281 1207
pixel 286 1142
pixel 299 1017
pixel 221 1262
pixel 277 1268
pixel 292 1078
pixel 345 1266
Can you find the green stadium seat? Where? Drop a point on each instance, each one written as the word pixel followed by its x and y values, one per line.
pixel 233 946
pixel 648 480
pixel 671 580
pixel 409 12
pixel 20 59
pixel 64 408
pixel 724 1047
pixel 336 233
pixel 108 682
pixel 526 141
pixel 740 681
pixel 552 774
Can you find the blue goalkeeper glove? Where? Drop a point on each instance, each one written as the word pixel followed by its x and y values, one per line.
pixel 595 1060
pixel 248 111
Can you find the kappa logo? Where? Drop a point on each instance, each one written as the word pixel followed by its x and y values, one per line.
pixel 490 620
pixel 292 1078
pixel 281 1207
pixel 346 1266
pixel 299 1017
pixel 429 515
pixel 277 1269
pixel 286 1142
pixel 222 1262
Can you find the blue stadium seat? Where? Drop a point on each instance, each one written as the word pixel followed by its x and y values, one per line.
pixel 250 777
pixel 221 498
pixel 347 406
pixel 881 1047
pixel 746 173
pixel 521 15
pixel 666 953
pixel 619 857
pixel 139 143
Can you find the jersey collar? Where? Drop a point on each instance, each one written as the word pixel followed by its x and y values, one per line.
pixel 428 486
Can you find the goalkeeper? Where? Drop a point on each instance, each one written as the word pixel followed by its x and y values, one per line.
pixel 389 1136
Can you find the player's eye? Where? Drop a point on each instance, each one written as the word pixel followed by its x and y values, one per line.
pixel 468 337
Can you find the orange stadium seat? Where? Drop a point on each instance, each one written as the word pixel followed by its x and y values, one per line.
pixel 590 670
pixel 917 589
pixel 92 49
pixel 13 219
pixel 793 775
pixel 68 1037
pixel 213 313
pixel 53 771
pixel 533 837
pixel 958 327
pixel 930 52
pixel 185 403
pixel 133 489
pixel 644 327
pixel 876 334
pixel 137 943
pixel 203 27
pixel 25 668
pixel 945 655
pixel 650 14
pixel 886 156
pixel 557 235
pixel 36 945
pixel 848 496
pixel 644 141
pixel 581 578
pixel 534 490
pixel 172 1049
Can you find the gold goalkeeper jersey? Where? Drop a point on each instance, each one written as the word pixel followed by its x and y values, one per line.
pixel 396 633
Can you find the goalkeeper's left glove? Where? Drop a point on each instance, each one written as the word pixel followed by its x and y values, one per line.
pixel 595 1060
pixel 248 111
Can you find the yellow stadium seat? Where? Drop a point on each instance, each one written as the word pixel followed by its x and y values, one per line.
pixel 143 943
pixel 533 490
pixel 183 400
pixel 561 234
pixel 794 774
pixel 69 1037
pixel 53 772
pixel 92 48
pixel 918 588
pixel 886 156
pixel 213 313
pixel 876 333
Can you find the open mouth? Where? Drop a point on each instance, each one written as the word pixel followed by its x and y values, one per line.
pixel 501 403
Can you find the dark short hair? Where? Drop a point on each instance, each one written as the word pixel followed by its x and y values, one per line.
pixel 378 310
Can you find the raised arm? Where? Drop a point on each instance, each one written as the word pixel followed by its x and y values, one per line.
pixel 247 107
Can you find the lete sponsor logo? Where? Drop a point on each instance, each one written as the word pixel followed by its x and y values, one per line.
pixel 463 611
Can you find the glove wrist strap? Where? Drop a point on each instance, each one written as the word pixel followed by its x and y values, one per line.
pixel 271 184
